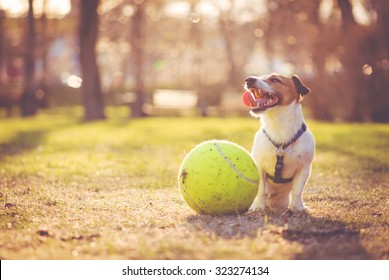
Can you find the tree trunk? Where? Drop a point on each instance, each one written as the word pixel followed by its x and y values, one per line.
pixel 2 37
pixel 346 10
pixel 92 95
pixel 226 28
pixel 381 73
pixel 29 103
pixel 138 46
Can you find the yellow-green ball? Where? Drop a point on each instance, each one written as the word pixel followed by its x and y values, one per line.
pixel 218 177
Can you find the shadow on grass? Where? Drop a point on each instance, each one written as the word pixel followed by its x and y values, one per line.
pixel 321 238
pixel 23 141
pixel 26 141
pixel 371 163
pixel 361 148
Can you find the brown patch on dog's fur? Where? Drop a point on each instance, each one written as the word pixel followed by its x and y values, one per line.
pixel 283 85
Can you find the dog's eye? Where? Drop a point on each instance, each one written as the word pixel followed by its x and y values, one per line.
pixel 275 80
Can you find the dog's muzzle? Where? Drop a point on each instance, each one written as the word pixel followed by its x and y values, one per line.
pixel 259 95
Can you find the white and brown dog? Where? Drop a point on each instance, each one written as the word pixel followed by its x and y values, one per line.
pixel 283 147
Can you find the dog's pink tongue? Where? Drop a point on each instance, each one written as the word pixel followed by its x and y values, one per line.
pixel 248 99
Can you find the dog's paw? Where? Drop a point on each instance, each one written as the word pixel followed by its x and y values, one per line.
pixel 297 205
pixel 300 208
pixel 257 206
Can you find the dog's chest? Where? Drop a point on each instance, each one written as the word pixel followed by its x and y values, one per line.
pixel 265 155
pixel 290 162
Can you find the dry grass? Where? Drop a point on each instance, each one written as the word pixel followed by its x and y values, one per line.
pixel 107 190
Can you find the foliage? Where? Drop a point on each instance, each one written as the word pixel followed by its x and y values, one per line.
pixel 340 48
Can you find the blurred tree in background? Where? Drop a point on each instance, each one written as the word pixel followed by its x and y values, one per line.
pixel 92 95
pixel 29 103
pixel 125 49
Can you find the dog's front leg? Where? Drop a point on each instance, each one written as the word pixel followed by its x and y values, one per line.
pixel 260 200
pixel 299 183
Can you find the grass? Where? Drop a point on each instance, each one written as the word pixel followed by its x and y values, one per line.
pixel 108 190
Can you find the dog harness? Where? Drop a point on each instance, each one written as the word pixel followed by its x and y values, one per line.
pixel 280 148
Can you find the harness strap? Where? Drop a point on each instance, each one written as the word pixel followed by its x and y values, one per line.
pixel 280 147
pixel 299 132
pixel 279 180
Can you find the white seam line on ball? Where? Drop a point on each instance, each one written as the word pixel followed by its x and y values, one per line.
pixel 233 167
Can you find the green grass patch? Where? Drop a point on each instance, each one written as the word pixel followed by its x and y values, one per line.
pixel 108 190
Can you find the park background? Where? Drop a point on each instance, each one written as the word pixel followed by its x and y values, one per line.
pixel 121 52
pixel 101 100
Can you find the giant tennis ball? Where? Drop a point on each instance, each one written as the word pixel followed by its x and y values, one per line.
pixel 218 177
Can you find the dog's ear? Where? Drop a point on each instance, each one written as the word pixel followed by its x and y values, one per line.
pixel 300 87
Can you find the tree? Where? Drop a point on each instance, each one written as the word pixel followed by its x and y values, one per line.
pixel 92 95
pixel 380 84
pixel 137 39
pixel 2 37
pixel 349 60
pixel 228 28
pixel 29 103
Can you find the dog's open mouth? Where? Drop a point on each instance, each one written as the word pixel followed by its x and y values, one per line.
pixel 259 100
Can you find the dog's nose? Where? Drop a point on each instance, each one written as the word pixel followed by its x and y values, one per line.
pixel 250 80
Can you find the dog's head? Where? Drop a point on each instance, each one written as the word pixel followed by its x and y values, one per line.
pixel 273 90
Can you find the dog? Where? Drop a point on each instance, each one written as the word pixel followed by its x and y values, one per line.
pixel 283 148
